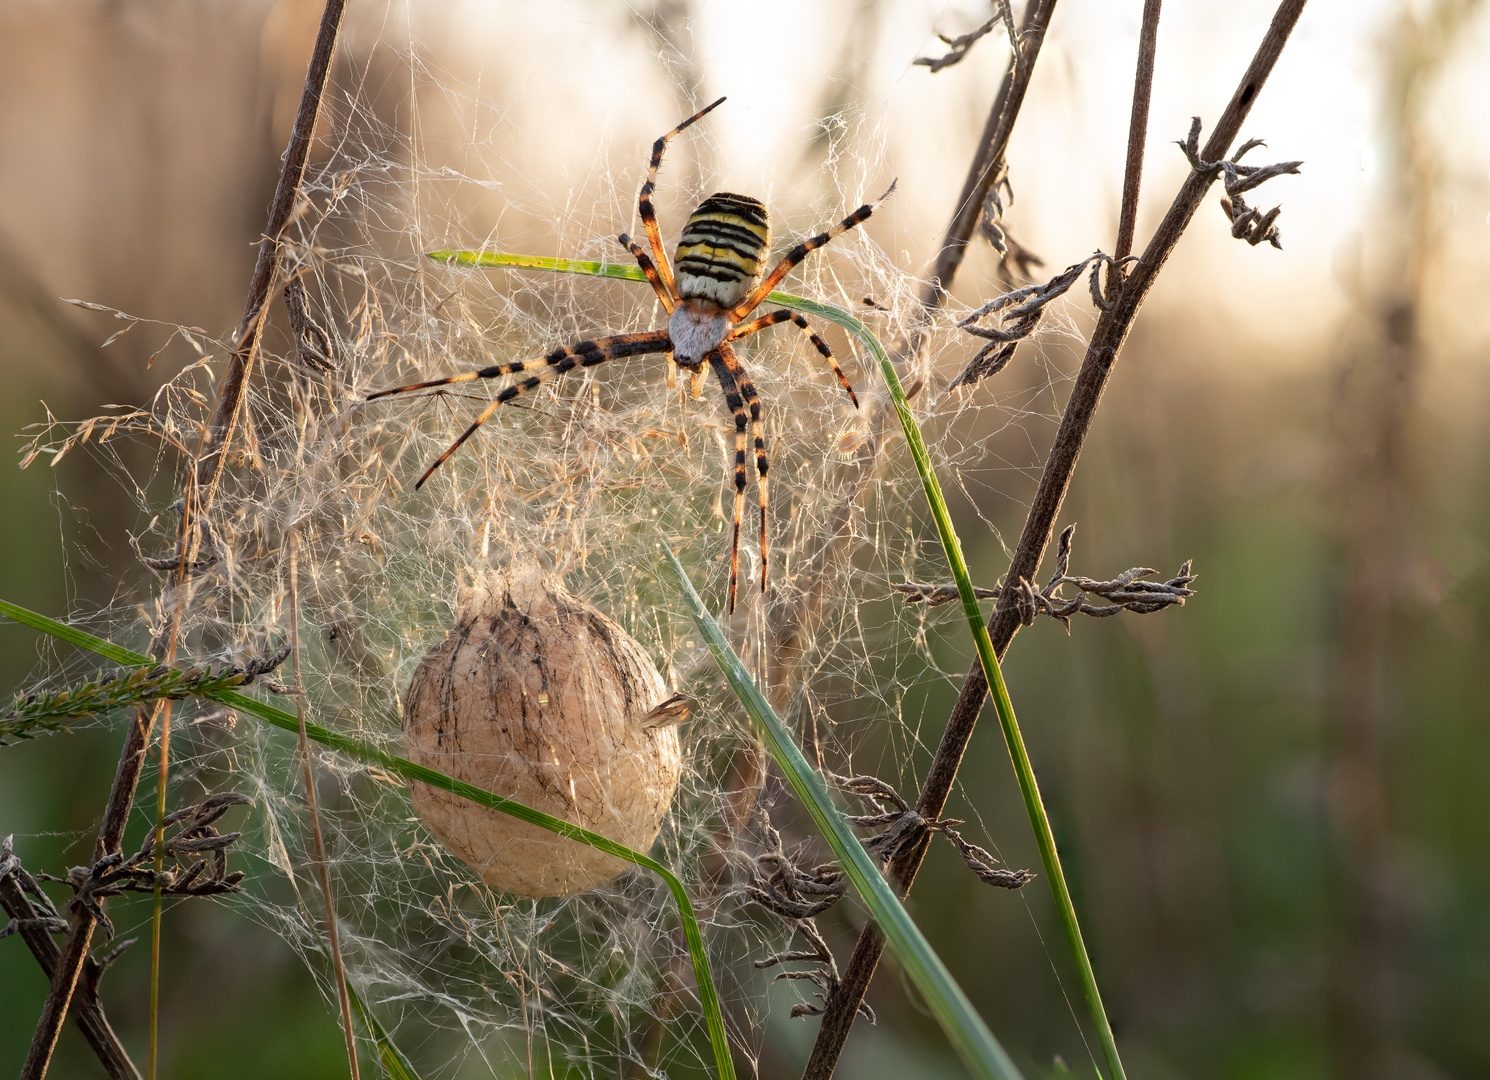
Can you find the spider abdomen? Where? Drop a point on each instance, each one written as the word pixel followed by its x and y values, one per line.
pixel 719 255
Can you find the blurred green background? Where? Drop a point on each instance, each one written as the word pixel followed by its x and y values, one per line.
pixel 1272 803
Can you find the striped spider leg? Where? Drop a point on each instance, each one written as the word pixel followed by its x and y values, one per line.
pixel 739 392
pixel 717 285
pixel 556 363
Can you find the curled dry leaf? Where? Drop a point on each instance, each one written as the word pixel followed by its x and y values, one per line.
pixel 537 696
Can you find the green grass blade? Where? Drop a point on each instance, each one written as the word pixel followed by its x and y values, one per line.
pixel 501 260
pixel 1013 739
pixel 964 1027
pixel 390 1056
pixel 73 636
pixel 708 998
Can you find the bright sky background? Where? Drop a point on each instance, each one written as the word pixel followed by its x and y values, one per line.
pixel 592 68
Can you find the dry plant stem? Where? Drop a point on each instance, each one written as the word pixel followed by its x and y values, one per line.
pixel 80 924
pixel 224 419
pixel 160 861
pixel 989 160
pixel 1138 129
pixel 292 172
pixel 86 1010
pixel 332 935
pixel 1108 337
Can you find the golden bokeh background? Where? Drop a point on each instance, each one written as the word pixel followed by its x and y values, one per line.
pixel 1271 803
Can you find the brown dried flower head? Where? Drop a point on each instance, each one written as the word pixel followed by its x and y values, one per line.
pixel 539 697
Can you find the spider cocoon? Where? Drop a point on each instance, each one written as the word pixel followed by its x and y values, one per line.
pixel 537 696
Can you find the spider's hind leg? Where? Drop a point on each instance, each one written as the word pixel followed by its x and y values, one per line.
pixel 739 392
pixel 785 315
pixel 584 354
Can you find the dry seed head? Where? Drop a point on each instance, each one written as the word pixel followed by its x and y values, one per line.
pixel 537 696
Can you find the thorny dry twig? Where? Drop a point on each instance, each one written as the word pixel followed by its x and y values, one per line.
pixel 1247 223
pixel 34 918
pixel 779 885
pixel 823 975
pixel 960 44
pixel 904 829
pixel 1126 591
pixel 988 159
pixel 1017 323
pixel 196 839
pixel 783 889
pixel 45 915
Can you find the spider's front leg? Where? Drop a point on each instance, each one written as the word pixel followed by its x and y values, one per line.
pixel 800 252
pixel 739 392
pixel 648 212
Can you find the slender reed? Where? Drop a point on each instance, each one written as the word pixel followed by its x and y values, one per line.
pixel 308 771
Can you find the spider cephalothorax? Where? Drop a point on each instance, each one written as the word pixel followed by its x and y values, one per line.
pixel 719 261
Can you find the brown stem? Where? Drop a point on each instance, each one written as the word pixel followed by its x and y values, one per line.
pixel 1138 127
pixel 80 926
pixel 988 162
pixel 224 419
pixel 87 1011
pixel 1108 337
pixel 292 172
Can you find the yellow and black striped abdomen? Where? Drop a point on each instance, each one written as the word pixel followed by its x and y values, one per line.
pixel 719 255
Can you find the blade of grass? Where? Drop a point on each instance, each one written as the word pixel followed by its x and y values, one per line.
pixel 390 1056
pixel 708 998
pixel 1023 770
pixel 979 1049
pixel 501 260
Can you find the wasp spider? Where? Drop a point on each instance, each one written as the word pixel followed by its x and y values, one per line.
pixel 718 285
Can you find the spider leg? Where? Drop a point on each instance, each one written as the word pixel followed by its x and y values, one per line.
pixel 649 212
pixel 739 392
pixel 650 269
pixel 668 303
pixel 585 354
pixel 757 325
pixel 619 345
pixel 800 252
